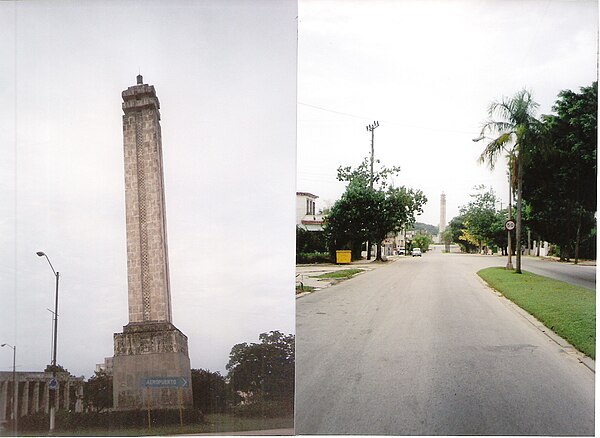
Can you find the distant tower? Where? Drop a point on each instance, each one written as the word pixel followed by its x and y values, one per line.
pixel 151 355
pixel 442 215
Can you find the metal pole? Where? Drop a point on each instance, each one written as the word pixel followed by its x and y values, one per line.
pixel 180 408
pixel 54 394
pixel 519 206
pixel 509 264
pixel 53 403
pixel 55 322
pixel 15 391
pixel 149 416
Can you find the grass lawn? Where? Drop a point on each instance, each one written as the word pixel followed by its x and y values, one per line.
pixel 344 273
pixel 305 288
pixel 569 311
pixel 213 423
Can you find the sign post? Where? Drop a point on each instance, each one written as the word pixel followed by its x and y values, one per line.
pixel 149 417
pixel 180 407
pixel 509 225
pixel 165 382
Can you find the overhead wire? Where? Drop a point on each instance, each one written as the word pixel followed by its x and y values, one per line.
pixel 393 122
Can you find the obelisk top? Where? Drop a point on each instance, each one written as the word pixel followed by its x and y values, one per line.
pixel 140 79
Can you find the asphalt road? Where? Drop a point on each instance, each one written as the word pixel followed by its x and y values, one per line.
pixel 580 275
pixel 422 347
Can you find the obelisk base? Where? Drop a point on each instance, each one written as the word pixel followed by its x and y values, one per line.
pixel 151 367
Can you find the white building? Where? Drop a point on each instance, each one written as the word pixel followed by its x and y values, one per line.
pixel 306 213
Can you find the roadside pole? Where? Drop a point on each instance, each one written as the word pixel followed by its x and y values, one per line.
pixel 180 407
pixel 149 416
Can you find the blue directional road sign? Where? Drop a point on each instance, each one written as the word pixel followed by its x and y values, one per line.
pixel 164 382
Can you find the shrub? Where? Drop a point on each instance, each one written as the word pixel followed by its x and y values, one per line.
pixel 265 409
pixel 72 421
pixel 310 241
pixel 313 257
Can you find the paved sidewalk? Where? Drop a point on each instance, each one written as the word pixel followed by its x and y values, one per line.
pixel 305 273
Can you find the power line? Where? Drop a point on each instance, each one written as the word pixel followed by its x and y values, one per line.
pixel 332 111
pixel 393 122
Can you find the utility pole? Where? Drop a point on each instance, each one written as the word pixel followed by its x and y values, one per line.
pixel 371 128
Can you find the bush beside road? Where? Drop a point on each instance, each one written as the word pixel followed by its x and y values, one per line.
pixel 568 310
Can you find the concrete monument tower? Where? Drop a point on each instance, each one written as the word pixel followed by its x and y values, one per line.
pixel 442 227
pixel 151 363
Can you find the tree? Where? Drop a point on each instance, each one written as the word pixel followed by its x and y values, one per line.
pixel 209 391
pixel 370 214
pixel 362 174
pixel 457 229
pixel 480 216
pixel 365 175
pixel 98 391
pixel 517 131
pixel 561 184
pixel 56 369
pixel 348 224
pixel 422 240
pixel 479 224
pixel 265 371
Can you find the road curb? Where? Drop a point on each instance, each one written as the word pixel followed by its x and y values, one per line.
pixel 266 432
pixel 586 361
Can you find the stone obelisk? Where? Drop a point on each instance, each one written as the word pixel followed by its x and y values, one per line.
pixel 151 366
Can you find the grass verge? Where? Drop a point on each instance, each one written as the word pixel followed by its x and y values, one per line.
pixel 344 273
pixel 214 423
pixel 300 288
pixel 569 311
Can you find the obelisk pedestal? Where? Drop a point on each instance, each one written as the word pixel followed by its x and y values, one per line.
pixel 151 365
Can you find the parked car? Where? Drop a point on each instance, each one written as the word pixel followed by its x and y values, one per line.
pixel 416 252
pixel 401 251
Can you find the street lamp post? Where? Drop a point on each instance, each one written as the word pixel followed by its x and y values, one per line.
pixel 15 388
pixel 55 330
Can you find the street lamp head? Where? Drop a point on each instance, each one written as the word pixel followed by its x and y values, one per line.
pixel 40 253
pixel 3 345
pixel 481 137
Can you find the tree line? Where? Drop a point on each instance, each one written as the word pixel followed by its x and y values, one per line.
pixel 553 173
pixel 259 381
pixel 370 209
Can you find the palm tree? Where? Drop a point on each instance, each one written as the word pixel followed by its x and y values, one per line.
pixel 515 128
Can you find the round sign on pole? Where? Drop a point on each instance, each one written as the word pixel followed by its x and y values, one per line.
pixel 53 384
pixel 509 225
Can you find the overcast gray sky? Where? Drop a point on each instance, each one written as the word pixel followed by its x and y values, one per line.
pixel 225 74
pixel 427 70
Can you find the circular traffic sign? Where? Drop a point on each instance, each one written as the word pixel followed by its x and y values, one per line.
pixel 509 225
pixel 53 384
